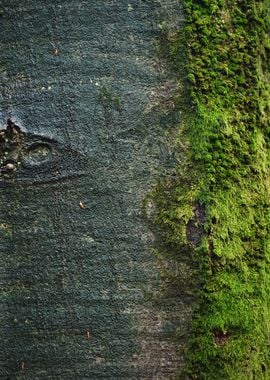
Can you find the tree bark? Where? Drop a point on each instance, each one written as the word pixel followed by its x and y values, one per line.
pixel 84 122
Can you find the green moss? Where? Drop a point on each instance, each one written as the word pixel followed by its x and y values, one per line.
pixel 225 140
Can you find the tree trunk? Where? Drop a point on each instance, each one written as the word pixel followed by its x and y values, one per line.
pixel 85 117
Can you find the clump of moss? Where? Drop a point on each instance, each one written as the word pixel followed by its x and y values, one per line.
pixel 225 136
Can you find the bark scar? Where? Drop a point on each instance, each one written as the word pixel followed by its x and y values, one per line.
pixel 27 157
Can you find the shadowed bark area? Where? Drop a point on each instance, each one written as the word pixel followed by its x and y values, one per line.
pixel 84 120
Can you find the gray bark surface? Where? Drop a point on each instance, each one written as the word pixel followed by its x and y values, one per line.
pixel 80 110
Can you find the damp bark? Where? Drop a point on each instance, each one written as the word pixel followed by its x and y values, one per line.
pixel 85 117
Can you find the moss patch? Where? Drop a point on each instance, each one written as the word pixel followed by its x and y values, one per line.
pixel 217 205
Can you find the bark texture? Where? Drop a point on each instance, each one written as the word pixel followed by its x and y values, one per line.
pixel 85 112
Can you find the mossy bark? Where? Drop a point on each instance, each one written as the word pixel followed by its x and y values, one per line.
pixel 225 173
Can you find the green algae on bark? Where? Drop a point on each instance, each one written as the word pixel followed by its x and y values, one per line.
pixel 217 205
